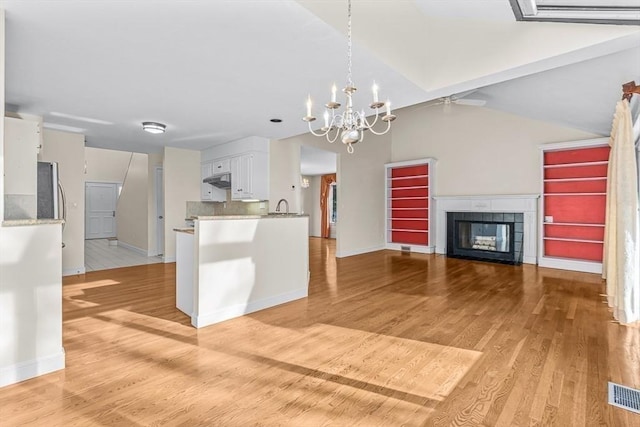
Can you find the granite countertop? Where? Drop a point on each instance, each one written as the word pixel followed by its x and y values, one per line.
pixel 270 216
pixel 25 222
pixel 184 230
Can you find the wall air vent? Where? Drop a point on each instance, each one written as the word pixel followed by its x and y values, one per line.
pixel 624 397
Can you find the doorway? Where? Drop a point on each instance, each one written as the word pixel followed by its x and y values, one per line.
pixel 100 212
pixel 159 211
pixel 314 164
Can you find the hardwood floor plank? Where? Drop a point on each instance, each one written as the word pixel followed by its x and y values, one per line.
pixel 383 339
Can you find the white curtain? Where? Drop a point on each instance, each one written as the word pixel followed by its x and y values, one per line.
pixel 621 264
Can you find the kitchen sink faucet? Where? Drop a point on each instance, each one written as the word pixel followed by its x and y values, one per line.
pixel 286 204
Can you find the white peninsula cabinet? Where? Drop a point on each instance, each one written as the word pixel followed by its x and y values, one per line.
pixel 228 266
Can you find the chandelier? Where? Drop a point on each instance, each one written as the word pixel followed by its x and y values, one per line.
pixel 351 124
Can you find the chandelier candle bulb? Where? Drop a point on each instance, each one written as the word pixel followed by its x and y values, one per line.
pixel 333 93
pixel 309 106
pixel 375 93
pixel 326 119
pixel 388 104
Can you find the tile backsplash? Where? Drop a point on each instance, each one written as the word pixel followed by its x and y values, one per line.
pixel 226 208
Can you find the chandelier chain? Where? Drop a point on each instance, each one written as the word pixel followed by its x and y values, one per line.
pixel 349 80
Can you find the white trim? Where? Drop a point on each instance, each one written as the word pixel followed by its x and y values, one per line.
pixel 571 264
pixel 132 248
pixel 238 310
pixel 412 247
pixel 586 143
pixel 33 368
pixel 73 271
pixel 168 259
pixel 487 196
pixel 344 254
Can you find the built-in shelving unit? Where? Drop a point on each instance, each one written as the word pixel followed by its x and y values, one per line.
pixel 574 188
pixel 408 205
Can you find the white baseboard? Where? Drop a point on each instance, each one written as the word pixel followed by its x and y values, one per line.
pixel 168 259
pixel 30 369
pixel 238 310
pixel 412 247
pixel 73 271
pixel 136 249
pixel 571 264
pixel 344 254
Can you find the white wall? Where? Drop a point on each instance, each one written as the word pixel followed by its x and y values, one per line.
pixel 284 175
pixel 21 140
pixel 181 184
pixel 132 213
pixel 360 190
pixel 68 150
pixel 311 205
pixel 30 301
pixel 479 151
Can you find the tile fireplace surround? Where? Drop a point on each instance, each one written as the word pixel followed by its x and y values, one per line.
pixel 527 204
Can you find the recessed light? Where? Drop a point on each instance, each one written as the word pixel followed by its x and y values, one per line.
pixel 276 120
pixel 153 127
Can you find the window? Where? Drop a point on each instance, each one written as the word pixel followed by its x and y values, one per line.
pixel 334 204
pixel 625 12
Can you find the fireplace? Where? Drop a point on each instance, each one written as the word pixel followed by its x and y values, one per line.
pixel 488 236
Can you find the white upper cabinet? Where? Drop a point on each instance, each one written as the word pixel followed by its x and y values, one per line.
pixel 208 192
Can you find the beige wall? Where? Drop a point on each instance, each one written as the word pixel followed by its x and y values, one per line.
pixel 479 151
pixel 181 184
pixel 360 192
pixel 132 214
pixel 106 165
pixel 68 150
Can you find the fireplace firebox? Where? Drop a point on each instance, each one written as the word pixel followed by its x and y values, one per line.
pixel 493 236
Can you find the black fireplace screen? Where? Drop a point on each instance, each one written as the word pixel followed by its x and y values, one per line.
pixel 485 236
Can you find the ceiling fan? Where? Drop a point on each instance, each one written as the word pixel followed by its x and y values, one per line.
pixel 458 99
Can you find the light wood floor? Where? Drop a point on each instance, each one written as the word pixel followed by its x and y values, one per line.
pixel 384 339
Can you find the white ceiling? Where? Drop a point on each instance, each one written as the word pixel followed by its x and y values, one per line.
pixel 216 71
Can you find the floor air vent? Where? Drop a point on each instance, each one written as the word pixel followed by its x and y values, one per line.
pixel 624 397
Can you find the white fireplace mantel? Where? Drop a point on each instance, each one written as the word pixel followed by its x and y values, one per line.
pixel 527 204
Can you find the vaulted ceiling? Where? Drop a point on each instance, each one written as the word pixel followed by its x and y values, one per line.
pixel 216 71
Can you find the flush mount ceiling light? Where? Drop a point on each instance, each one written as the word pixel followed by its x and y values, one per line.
pixel 153 127
pixel 351 124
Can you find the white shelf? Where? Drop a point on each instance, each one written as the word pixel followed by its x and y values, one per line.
pixel 575 194
pixel 570 165
pixel 595 178
pixel 578 224
pixel 405 230
pixel 397 178
pixel 563 239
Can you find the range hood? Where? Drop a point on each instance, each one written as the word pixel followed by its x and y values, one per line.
pixel 221 180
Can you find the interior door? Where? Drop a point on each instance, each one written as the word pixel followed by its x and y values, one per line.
pixel 160 212
pixel 101 198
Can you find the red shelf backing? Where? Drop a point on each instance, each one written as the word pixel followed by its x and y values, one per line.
pixel 409 213
pixel 573 250
pixel 576 209
pixel 410 203
pixel 595 186
pixel 417 238
pixel 419 225
pixel 578 155
pixel 574 232
pixel 586 171
pixel 421 181
pixel 410 192
pixel 408 171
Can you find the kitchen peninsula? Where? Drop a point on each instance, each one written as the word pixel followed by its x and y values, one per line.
pixel 228 266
